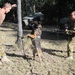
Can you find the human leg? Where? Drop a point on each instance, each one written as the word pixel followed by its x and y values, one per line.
pixel 70 47
pixel 39 52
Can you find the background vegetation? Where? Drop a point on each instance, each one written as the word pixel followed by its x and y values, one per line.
pixel 53 10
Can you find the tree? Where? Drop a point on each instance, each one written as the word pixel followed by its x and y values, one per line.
pixel 20 31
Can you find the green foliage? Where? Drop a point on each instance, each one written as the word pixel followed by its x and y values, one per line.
pixel 52 9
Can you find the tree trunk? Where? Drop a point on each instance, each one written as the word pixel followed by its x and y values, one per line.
pixel 28 7
pixel 20 31
pixel 34 7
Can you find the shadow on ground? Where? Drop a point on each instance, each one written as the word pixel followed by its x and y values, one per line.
pixel 54 52
pixel 16 55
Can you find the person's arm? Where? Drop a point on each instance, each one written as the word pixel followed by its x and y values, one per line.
pixel 1 19
pixel 14 5
pixel 32 35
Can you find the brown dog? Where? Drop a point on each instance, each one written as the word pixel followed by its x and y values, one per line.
pixel 36 39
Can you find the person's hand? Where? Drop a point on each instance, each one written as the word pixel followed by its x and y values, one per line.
pixel 67 31
pixel 14 5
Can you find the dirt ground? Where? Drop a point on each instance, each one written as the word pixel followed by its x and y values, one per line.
pixel 54 49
